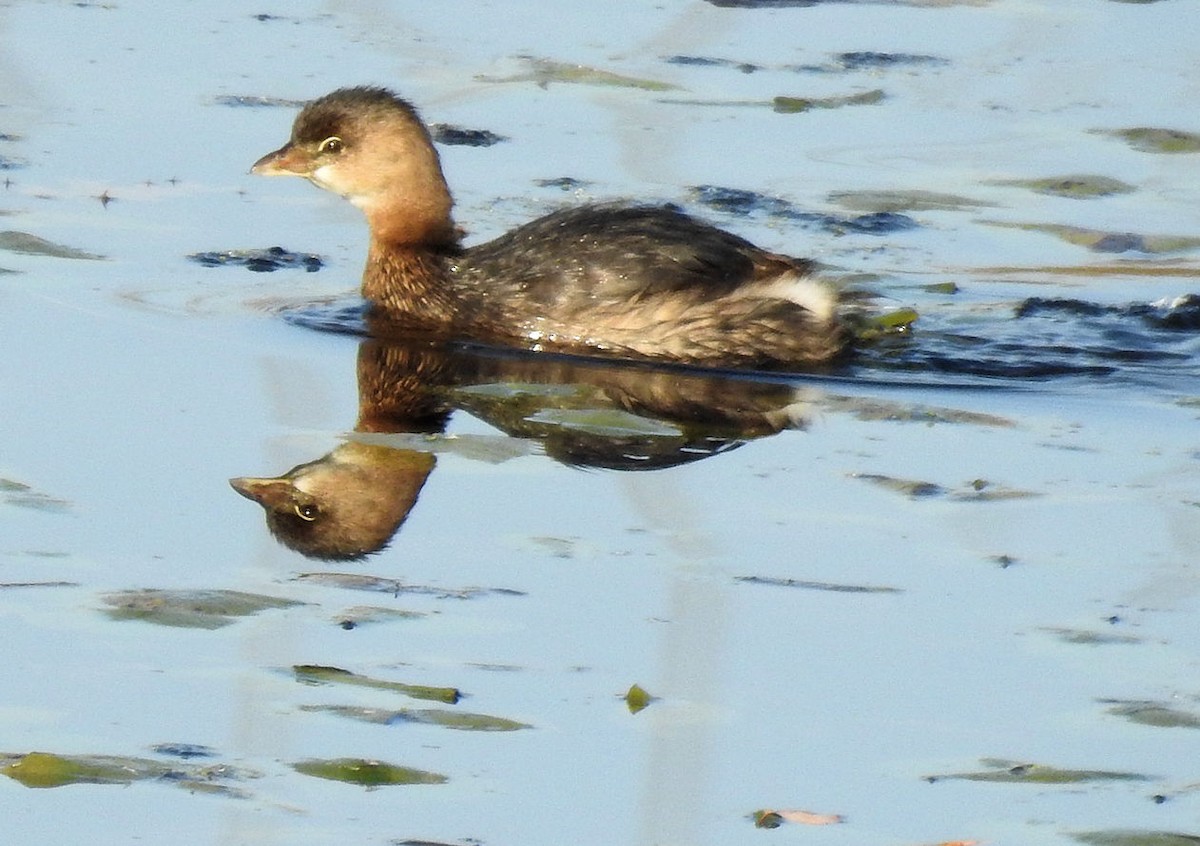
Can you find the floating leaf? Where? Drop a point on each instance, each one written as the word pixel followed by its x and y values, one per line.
pixel 903 201
pixel 316 674
pixel 354 617
pixel 913 488
pixel 257 102
pixel 1136 837
pixel 21 495
pixel 637 699
pixel 10 585
pixel 1157 140
pixel 1076 187
pixel 196 609
pixel 381 584
pixel 1101 241
pixel 999 770
pixel 1085 637
pixel 791 105
pixel 23 242
pixel 981 490
pixel 367 773
pixel 895 322
pixel 1153 714
pixel 865 408
pixel 811 585
pixel 545 71
pixel 46 769
pixel 183 750
pixel 457 720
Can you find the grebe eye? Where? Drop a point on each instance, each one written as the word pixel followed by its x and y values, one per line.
pixel 306 511
pixel 332 144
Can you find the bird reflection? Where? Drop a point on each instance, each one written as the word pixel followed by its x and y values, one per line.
pixel 351 502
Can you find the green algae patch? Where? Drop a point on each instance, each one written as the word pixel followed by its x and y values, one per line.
pixel 1150 139
pixel 32 245
pixel 455 720
pixel 190 609
pixel 1015 772
pixel 1154 714
pixel 1136 837
pixel 637 698
pixel 316 674
pixel 366 773
pixel 543 72
pixel 1075 187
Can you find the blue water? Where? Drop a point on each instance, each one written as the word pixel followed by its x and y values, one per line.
pixel 1065 502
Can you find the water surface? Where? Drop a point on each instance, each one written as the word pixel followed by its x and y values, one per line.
pixel 969 553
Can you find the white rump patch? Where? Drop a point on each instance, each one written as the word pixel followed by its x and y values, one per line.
pixel 804 291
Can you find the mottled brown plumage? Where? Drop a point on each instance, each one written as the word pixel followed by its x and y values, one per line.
pixel 646 282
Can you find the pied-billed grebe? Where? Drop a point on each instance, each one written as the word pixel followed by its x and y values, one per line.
pixel 627 280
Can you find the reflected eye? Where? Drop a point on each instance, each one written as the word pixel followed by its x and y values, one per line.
pixel 306 511
pixel 332 145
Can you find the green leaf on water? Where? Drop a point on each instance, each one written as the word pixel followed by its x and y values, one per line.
pixel 913 488
pixel 32 245
pixel 457 720
pixel 545 71
pixel 1136 837
pixel 1015 772
pixel 1152 714
pixel 903 201
pixel 1085 637
pixel 1149 139
pixel 194 609
pixel 383 584
pixel 869 408
pixel 316 674
pixel 895 322
pixel 45 769
pixel 806 584
pixel 1102 241
pixel 21 495
pixel 792 105
pixel 637 699
pixel 1075 187
pixel 366 773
